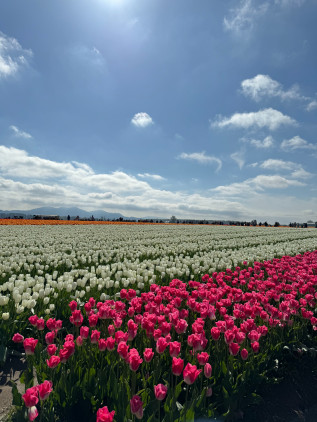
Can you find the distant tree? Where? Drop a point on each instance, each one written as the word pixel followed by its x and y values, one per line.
pixel 173 219
pixel 265 223
pixel 276 224
pixel 253 223
pixel 68 217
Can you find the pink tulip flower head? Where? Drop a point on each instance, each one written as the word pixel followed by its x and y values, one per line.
pixel 103 415
pixel 191 373
pixel 136 406
pixel 160 391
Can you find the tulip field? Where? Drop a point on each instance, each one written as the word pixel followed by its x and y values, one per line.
pixel 153 322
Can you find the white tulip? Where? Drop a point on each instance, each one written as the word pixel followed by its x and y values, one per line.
pixel 19 309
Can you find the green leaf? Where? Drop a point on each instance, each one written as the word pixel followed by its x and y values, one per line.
pixel 178 389
pixel 16 396
pixel 190 415
pixel 224 367
pixel 225 393
pixel 256 398
pixel 22 378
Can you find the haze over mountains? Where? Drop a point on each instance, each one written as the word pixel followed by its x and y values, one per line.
pixel 65 211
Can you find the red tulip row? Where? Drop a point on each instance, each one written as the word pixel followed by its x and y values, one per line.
pixel 237 307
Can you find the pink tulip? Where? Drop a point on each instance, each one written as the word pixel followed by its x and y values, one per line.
pixel 84 332
pixel 95 336
pixel 17 338
pixel 255 346
pixel 51 349
pixel 134 360
pixel 233 349
pixel 136 406
pixel 73 305
pixel 50 337
pixel 244 354
pixel 102 344
pixel 148 354
pixel 161 345
pixel 191 373
pixel 45 389
pixel 160 391
pixel 177 366
pixel 31 397
pixel 202 358
pixel 207 370
pixel 53 361
pixel 103 415
pixel 33 319
pixel 175 348
pixel 76 318
pixel 32 413
pixel 29 345
pixel 40 324
pixel 215 333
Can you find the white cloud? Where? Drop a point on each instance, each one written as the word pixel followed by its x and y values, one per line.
pixel 267 142
pixel 269 118
pixel 296 169
pixel 300 173
pixel 290 3
pixel 142 120
pixel 88 56
pixel 274 164
pixel 242 18
pixel 202 158
pixel 274 182
pixel 12 56
pixel 151 176
pixel 263 86
pixel 256 185
pixel 239 158
pixel 312 105
pixel 17 163
pixel 28 181
pixel 297 143
pixel 19 133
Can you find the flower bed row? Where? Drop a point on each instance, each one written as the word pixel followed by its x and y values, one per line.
pixel 174 353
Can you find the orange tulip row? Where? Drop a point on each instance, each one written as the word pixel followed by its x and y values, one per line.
pixel 25 222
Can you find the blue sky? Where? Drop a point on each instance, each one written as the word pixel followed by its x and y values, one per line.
pixel 199 109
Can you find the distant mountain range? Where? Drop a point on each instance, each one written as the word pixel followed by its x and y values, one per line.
pixel 64 212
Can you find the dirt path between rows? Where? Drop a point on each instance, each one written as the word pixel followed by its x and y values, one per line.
pixel 11 371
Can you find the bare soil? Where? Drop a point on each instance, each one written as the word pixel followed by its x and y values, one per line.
pixel 11 371
pixel 292 400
